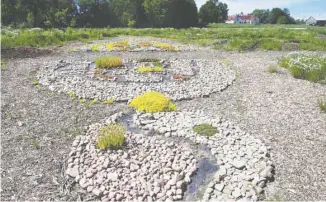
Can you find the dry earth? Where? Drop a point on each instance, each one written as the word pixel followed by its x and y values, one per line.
pixel 38 126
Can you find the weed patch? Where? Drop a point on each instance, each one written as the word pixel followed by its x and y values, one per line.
pixel 307 67
pixel 205 129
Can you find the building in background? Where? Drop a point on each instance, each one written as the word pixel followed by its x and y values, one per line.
pixel 313 21
pixel 242 19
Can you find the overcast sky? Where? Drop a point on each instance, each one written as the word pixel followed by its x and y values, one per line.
pixel 299 8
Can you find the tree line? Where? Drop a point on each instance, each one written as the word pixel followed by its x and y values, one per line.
pixel 274 16
pixel 111 13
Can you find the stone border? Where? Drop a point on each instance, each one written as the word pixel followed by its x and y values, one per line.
pixel 211 76
pixel 244 162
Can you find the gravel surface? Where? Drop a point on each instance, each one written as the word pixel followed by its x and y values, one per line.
pixel 38 126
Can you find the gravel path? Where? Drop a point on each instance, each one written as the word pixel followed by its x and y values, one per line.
pixel 277 108
pixel 284 112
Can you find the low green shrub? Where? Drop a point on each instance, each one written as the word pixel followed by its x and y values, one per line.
pixel 205 129
pixel 111 137
pixel 108 62
pixel 151 102
pixel 308 67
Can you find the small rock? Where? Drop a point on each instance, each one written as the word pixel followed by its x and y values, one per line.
pixel 219 187
pixel 72 172
pixel 97 192
pixel 112 177
pixel 238 164
pixel 236 193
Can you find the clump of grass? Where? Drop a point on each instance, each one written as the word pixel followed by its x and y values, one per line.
pixel 108 62
pixel 165 46
pixel 272 69
pixel 123 45
pixel 111 137
pixel 149 69
pixel 205 129
pixel 36 144
pixel 96 48
pixel 72 95
pixel 35 82
pixel 109 101
pixel 151 102
pixel 322 105
pixel 149 60
pixel 307 67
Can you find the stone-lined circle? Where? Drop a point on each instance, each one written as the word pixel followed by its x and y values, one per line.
pixel 244 161
pixel 204 78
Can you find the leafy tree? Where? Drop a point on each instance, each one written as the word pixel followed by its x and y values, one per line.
pixel 282 20
pixel 213 11
pixel 171 13
pixel 262 14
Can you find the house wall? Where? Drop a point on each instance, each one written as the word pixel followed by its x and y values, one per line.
pixel 311 21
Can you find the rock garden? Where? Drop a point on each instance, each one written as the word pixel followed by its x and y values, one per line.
pixel 155 151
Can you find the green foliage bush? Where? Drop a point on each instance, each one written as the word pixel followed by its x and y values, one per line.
pixel 151 102
pixel 205 129
pixel 111 137
pixel 305 66
pixel 108 62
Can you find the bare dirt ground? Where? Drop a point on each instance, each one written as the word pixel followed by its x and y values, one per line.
pixel 38 126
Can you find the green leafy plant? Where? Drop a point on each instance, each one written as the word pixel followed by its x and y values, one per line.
pixel 151 102
pixel 108 62
pixel 72 95
pixel 205 129
pixel 109 101
pixel 322 105
pixel 111 137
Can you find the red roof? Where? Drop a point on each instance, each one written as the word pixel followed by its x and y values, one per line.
pixel 242 17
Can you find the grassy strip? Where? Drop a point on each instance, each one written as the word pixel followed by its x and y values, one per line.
pixel 266 37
